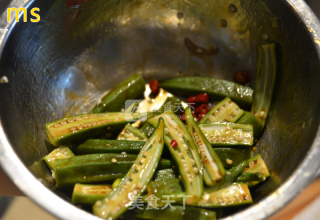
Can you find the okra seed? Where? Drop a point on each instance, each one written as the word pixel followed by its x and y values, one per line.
pixel 264 178
pixel 98 203
pixel 217 112
pixel 185 165
pixel 215 200
pixel 222 108
pixel 84 125
pixel 114 160
pixel 56 125
pixel 84 177
pixel 201 128
pixel 259 161
pixel 138 167
pixel 103 121
pixel 220 200
pixel 190 180
pixel 78 118
pixel 98 122
pixel 251 164
pixel 94 123
pixel 70 120
pixel 89 124
pixel 166 130
pixel 185 147
pixel 263 171
pixel 238 197
pixel 205 196
pixel 229 118
pixel 63 122
pixel 192 162
pixel 232 199
pixel 73 129
pixel 195 170
pixel 123 153
pixel 139 185
pixel 142 160
pixel 229 161
pixel 228 173
pixel 79 127
pixel 145 153
pixel 180 178
pixel 225 199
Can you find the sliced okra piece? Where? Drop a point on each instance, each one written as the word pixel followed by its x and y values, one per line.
pixel 224 111
pixel 61 152
pixel 184 152
pixel 136 180
pixel 257 165
pixel 176 213
pixel 213 170
pixel 95 146
pixel 147 129
pixel 162 188
pixel 265 81
pixel 249 119
pixel 231 157
pixel 95 168
pixel 249 177
pixel 131 88
pixel 217 89
pixel 83 126
pixel 227 134
pixel 233 195
pixel 131 133
pixel 89 193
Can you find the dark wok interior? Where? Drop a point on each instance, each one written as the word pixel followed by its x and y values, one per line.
pixel 63 64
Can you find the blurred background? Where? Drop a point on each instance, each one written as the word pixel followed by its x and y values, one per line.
pixel 306 205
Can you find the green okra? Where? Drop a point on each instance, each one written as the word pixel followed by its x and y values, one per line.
pixel 184 153
pixel 83 126
pixel 249 177
pixel 257 165
pixel 265 81
pixel 224 111
pixel 147 129
pixel 249 119
pixel 135 181
pixel 234 155
pixel 177 213
pixel 162 188
pixel 89 193
pixel 95 146
pixel 131 133
pixel 228 134
pixel 131 88
pixel 95 168
pixel 213 170
pixel 61 152
pixel 217 89
pixel 232 195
